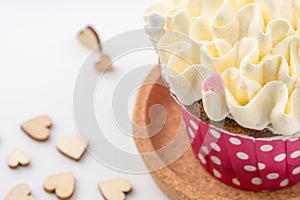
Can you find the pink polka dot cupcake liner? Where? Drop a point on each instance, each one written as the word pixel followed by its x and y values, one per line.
pixel 241 161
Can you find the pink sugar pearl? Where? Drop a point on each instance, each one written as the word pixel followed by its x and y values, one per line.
pixel 214 83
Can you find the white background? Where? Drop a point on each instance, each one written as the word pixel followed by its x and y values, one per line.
pixel 39 61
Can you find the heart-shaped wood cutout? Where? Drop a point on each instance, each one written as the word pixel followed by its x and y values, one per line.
pixel 17 158
pixel 115 189
pixel 20 192
pixel 73 148
pixel 38 127
pixel 104 64
pixel 89 38
pixel 63 185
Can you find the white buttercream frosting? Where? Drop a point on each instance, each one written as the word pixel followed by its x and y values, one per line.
pixel 253 44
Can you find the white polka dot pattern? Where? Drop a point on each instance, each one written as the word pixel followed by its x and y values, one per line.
pixel 295 154
pixel 250 168
pixel 215 147
pixel 280 157
pixel 217 173
pixel 202 159
pixel 296 171
pixel 272 176
pixel 193 124
pixel 266 148
pixel 235 141
pixel 236 181
pixel 205 150
pixel 261 166
pixel 191 132
pixel 215 133
pixel 245 162
pixel 284 183
pixel 215 160
pixel 256 181
pixel 242 155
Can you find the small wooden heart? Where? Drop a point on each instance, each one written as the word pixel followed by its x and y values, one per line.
pixel 20 192
pixel 73 148
pixel 38 127
pixel 89 38
pixel 115 189
pixel 18 158
pixel 63 185
pixel 104 64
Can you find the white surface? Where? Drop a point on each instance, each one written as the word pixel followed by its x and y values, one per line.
pixel 40 59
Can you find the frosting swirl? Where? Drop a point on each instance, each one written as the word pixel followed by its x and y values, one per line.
pixel 253 44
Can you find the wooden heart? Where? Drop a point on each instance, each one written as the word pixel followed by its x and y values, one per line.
pixel 20 192
pixel 89 38
pixel 104 64
pixel 38 127
pixel 115 189
pixel 17 158
pixel 63 185
pixel 73 148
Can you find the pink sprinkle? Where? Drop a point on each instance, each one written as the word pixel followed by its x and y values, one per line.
pixel 214 83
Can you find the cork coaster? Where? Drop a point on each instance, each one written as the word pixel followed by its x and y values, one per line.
pixel 184 179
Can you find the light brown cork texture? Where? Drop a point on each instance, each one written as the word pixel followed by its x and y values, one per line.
pixel 185 179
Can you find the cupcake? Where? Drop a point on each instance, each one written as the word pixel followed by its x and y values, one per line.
pixel 234 68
